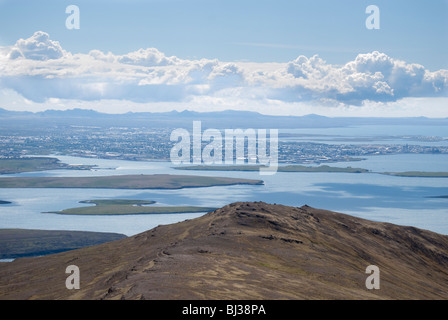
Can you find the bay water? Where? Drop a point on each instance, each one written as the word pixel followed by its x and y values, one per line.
pixel 401 200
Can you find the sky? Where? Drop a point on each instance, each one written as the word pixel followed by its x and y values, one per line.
pixel 274 57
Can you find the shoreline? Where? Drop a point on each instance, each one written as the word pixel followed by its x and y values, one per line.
pixel 19 243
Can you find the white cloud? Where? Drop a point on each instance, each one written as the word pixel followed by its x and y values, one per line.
pixel 371 76
pixel 38 69
pixel 149 57
pixel 37 47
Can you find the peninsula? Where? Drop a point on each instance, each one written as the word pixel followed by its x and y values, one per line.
pixel 31 164
pixel 18 243
pixel 153 181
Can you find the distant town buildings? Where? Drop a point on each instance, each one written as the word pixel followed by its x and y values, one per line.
pixel 154 144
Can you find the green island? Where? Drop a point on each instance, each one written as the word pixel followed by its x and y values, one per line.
pixel 125 206
pixel 152 181
pixel 420 174
pixel 4 202
pixel 287 168
pixel 31 164
pixel 104 202
pixel 322 168
pixel 17 243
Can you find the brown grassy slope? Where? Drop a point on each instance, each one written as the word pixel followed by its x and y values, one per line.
pixel 246 251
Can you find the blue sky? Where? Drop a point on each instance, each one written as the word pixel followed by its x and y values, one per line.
pixel 403 64
pixel 243 30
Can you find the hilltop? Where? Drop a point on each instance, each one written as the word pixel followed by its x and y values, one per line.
pixel 246 250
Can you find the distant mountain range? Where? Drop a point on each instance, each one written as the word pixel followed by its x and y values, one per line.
pixel 184 119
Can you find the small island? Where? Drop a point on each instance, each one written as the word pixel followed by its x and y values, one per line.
pixel 287 168
pixel 31 164
pixel 419 174
pixel 127 207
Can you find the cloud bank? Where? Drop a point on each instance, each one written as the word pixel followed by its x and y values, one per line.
pixel 40 70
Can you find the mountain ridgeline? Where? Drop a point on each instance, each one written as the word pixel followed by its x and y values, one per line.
pixel 174 119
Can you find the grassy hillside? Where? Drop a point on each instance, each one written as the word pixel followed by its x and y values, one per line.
pixel 246 251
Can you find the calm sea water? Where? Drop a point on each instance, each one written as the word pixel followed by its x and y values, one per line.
pixel 399 200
